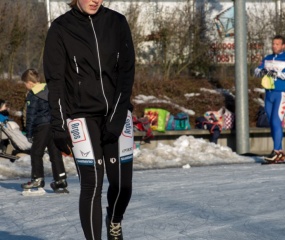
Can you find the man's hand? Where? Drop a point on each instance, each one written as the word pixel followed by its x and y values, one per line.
pixel 62 141
pixel 260 72
pixel 272 74
pixel 263 72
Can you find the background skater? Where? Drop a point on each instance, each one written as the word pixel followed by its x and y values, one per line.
pixel 38 131
pixel 273 65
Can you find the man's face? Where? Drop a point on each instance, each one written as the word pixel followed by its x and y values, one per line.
pixel 89 6
pixel 277 46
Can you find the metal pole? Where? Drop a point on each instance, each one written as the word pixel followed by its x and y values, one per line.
pixel 279 9
pixel 241 81
pixel 48 12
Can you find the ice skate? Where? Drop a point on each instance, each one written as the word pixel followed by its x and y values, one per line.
pixel 280 159
pixel 59 186
pixel 34 187
pixel 275 157
pixel 114 230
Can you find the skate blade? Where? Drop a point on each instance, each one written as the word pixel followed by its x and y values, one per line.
pixel 34 192
pixel 267 163
pixel 272 162
pixel 61 191
pixel 270 159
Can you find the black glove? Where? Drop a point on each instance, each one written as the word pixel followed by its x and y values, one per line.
pixel 263 72
pixel 272 74
pixel 108 137
pixel 62 141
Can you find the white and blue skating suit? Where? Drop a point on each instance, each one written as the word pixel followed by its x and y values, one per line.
pixel 275 98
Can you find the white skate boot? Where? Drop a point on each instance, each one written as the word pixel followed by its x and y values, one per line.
pixel 34 187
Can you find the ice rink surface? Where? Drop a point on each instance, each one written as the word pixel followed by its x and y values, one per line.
pixel 220 202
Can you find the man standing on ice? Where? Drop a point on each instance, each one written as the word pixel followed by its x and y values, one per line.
pixel 272 68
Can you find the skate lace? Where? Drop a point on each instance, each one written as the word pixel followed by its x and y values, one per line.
pixel 115 229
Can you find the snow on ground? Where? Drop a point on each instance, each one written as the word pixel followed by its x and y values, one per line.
pixel 185 152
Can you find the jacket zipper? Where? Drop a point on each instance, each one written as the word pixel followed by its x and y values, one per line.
pixel 118 55
pixel 100 70
pixel 76 66
pixel 77 69
pixel 115 107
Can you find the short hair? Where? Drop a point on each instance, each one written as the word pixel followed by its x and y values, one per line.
pixel 31 75
pixel 280 37
pixel 2 102
pixel 72 3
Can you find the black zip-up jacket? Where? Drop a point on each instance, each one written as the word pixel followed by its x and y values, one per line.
pixel 37 108
pixel 89 66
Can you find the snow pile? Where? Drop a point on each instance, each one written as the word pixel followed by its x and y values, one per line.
pixel 187 150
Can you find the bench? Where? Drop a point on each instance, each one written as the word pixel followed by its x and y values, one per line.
pixel 259 138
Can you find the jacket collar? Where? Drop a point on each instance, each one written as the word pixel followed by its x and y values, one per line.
pixel 81 15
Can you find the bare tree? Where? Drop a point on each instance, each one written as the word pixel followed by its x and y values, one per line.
pixel 179 40
pixel 23 29
pixel 132 14
pixel 17 36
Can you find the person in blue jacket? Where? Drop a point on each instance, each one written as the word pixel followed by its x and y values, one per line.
pixel 4 116
pixel 273 65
